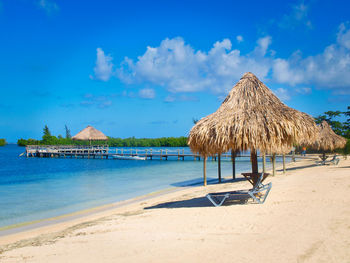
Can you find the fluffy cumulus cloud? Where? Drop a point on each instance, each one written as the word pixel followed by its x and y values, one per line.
pixel 176 66
pixel 329 69
pixel 104 66
pixel 147 94
pixel 263 45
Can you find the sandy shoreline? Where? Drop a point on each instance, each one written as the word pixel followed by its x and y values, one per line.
pixel 16 230
pixel 101 210
pixel 305 218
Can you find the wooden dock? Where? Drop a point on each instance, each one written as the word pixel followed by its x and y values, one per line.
pixel 65 151
pixel 105 152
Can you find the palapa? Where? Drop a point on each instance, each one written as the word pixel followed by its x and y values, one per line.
pixel 251 118
pixel 90 134
pixel 327 139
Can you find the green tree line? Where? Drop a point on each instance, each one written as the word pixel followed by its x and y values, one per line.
pixel 112 142
pixel 341 128
pixel 333 118
pixel 2 142
pixel 49 139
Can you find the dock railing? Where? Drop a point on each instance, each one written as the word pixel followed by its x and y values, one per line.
pixel 32 150
pixel 104 151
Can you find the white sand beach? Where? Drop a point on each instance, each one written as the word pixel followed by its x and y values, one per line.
pixel 306 218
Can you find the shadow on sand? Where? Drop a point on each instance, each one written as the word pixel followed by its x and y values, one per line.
pixel 200 201
pixel 193 202
pixel 298 167
pixel 197 202
pixel 203 201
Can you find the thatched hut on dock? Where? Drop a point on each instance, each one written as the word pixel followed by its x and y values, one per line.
pixel 90 134
pixel 251 118
pixel 327 139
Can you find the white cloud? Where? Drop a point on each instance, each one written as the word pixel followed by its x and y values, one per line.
pixel 297 16
pixel 263 45
pixel 177 67
pixel 239 38
pixel 48 5
pixel 147 93
pixel 343 36
pixel 329 69
pixel 283 73
pixel 104 66
pixel 282 94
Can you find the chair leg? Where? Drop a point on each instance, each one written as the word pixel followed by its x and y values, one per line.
pixel 261 199
pixel 215 200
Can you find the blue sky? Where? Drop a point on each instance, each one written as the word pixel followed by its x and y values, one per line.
pixel 147 68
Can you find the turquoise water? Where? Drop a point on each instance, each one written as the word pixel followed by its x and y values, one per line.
pixel 38 188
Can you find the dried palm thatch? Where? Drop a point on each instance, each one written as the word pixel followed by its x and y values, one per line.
pixel 327 139
pixel 90 134
pixel 251 117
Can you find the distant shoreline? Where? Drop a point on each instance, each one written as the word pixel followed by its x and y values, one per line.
pixel 112 142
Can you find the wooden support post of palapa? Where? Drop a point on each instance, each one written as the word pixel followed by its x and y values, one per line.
pixel 233 160
pixel 273 159
pixel 205 171
pixel 264 163
pixel 219 167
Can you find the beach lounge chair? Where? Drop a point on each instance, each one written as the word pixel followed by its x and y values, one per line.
pixel 334 161
pixel 321 162
pixel 258 193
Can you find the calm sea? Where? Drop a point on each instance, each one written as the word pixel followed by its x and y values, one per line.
pixel 38 188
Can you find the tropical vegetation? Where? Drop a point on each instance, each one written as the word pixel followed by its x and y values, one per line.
pixel 334 118
pixel 338 120
pixel 340 124
pixel 2 142
pixel 49 139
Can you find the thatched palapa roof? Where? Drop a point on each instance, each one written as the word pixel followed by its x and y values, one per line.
pixel 90 134
pixel 251 117
pixel 327 139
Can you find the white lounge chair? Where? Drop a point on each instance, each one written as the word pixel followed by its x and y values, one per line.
pixel 258 193
pixel 334 161
pixel 320 162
